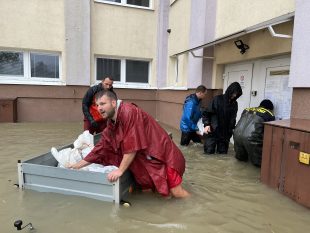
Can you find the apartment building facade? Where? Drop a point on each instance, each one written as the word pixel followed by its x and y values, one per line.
pixel 157 52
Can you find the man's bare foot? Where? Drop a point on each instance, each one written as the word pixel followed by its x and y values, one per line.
pixel 179 192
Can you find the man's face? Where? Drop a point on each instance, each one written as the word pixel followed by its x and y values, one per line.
pixel 106 107
pixel 233 97
pixel 107 84
pixel 201 95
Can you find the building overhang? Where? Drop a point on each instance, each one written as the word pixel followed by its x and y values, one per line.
pixel 266 24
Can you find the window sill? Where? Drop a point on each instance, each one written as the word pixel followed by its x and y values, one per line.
pixel 124 5
pixel 131 86
pixel 33 82
pixel 173 88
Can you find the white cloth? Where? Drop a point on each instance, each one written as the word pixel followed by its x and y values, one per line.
pixel 99 168
pixel 66 156
pixel 200 126
pixel 82 147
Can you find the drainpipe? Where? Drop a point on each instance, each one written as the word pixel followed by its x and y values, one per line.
pixel 272 32
pixel 204 57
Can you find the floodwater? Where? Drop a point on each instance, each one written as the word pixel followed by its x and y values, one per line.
pixel 227 195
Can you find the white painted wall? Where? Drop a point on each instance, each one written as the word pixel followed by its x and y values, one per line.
pixel 300 73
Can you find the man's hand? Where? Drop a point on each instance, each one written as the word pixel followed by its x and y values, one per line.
pixel 114 175
pixel 207 129
pixel 78 165
pixel 126 161
pixel 72 166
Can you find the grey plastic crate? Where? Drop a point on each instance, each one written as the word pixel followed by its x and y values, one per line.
pixel 42 174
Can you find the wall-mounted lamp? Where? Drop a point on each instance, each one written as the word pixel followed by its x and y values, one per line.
pixel 168 30
pixel 240 45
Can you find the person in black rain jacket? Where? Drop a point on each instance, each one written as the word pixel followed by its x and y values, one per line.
pixel 249 132
pixel 219 120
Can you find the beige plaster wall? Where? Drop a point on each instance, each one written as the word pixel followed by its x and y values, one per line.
pixel 172 79
pixel 179 23
pixel 261 44
pixel 120 31
pixel 32 24
pixel 236 15
pixel 178 40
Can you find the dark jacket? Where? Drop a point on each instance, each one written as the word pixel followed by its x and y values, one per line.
pixel 191 114
pixel 89 98
pixel 249 132
pixel 222 111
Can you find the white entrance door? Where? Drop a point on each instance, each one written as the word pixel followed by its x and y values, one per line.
pixel 241 73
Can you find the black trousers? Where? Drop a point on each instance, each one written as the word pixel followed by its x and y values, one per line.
pixel 240 152
pixel 187 137
pixel 249 151
pixel 213 143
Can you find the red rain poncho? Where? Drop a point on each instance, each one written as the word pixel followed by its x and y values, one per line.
pixel 136 131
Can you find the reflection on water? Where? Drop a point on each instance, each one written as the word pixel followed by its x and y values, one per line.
pixel 226 195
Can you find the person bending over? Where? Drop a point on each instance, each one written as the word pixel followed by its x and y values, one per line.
pixel 249 132
pixel 93 121
pixel 133 140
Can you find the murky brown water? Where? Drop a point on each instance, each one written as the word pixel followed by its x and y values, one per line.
pixel 226 195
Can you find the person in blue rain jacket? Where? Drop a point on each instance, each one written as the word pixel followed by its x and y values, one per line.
pixel 191 115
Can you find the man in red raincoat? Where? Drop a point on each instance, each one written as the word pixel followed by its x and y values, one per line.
pixel 134 140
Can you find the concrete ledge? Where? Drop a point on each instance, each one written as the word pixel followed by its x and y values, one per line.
pixel 8 110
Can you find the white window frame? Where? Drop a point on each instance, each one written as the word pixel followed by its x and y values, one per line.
pixel 124 3
pixel 26 77
pixel 122 83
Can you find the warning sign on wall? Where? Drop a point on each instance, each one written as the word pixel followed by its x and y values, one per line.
pixel 277 90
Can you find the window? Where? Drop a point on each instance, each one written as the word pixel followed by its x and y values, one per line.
pixel 136 3
pixel 44 65
pixel 145 3
pixel 137 71
pixel 11 63
pixel 123 71
pixel 108 67
pixel 29 66
pixel 119 1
